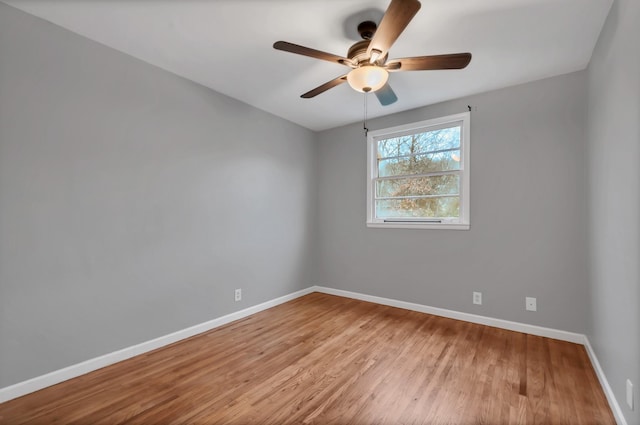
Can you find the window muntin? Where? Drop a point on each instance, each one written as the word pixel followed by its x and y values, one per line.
pixel 418 174
pixel 418 187
pixel 420 163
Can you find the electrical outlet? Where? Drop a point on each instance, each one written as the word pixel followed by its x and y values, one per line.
pixel 630 394
pixel 477 298
pixel 238 294
pixel 530 304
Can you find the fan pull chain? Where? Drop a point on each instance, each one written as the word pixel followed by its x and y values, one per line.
pixel 364 121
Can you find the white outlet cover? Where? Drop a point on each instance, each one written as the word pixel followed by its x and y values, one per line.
pixel 630 394
pixel 477 298
pixel 530 304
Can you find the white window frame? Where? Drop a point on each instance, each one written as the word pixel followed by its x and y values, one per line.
pixel 462 223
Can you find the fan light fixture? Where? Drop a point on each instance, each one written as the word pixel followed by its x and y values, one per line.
pixel 367 78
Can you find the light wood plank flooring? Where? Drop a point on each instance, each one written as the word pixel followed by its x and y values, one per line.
pixel 322 359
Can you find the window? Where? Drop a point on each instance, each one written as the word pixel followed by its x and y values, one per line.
pixel 418 175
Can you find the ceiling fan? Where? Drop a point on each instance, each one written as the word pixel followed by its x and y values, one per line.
pixel 368 58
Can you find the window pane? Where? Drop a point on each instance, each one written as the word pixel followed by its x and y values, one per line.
pixel 420 164
pixel 428 141
pixel 425 207
pixel 436 185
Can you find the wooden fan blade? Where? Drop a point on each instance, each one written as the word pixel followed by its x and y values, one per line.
pixel 386 95
pixel 312 53
pixel 324 87
pixel 395 20
pixel 425 63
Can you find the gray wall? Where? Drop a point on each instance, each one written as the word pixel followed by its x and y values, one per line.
pixel 132 201
pixel 528 220
pixel 614 201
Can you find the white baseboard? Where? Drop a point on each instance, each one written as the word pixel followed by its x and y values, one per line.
pixel 55 377
pixel 467 317
pixel 613 403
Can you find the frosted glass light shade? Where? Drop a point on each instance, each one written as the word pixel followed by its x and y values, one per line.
pixel 367 78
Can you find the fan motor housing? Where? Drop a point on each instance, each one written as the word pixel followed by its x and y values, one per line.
pixel 358 53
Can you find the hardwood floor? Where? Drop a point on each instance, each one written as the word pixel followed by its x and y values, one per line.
pixel 322 359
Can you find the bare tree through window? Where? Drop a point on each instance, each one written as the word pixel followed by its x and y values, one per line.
pixel 418 175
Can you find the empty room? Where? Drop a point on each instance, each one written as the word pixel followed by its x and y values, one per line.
pixel 319 212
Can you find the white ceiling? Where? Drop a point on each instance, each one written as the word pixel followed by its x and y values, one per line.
pixel 227 45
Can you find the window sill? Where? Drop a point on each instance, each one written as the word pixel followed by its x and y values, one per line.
pixel 428 226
